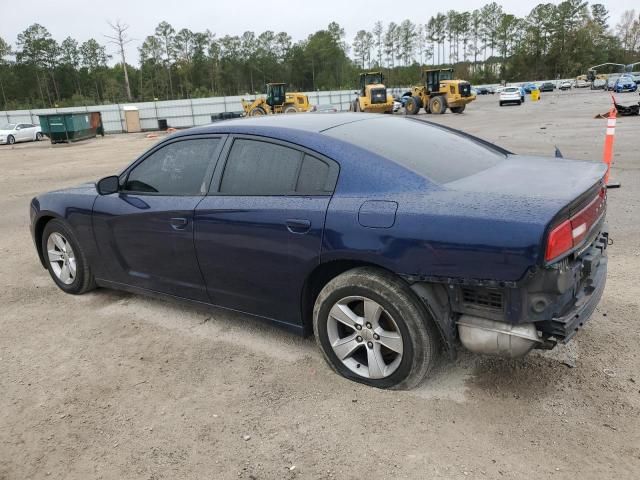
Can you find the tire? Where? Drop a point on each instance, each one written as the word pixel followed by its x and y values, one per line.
pixel 413 105
pixel 404 320
pixel 38 136
pixel 11 140
pixel 502 104
pixel 520 103
pixel 437 105
pixel 82 279
pixel 257 112
pixel 458 109
pixel 290 109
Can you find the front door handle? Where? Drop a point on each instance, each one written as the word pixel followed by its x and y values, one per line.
pixel 179 223
pixel 298 225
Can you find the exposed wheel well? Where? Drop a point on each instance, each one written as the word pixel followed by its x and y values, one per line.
pixel 316 281
pixel 39 229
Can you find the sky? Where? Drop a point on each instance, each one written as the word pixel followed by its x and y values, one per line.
pixel 82 19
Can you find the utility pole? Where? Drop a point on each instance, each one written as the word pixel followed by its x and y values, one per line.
pixel 121 39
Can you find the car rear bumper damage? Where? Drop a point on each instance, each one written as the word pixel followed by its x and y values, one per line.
pixel 547 308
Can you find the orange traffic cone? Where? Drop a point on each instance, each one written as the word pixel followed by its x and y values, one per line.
pixel 607 156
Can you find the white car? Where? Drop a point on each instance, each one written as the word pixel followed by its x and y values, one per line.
pixel 511 95
pixel 566 85
pixel 11 133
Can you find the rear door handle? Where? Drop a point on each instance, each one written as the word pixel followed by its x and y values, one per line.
pixel 297 225
pixel 179 223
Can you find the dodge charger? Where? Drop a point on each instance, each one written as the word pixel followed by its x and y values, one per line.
pixel 389 252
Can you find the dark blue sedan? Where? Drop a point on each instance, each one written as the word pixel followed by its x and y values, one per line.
pixel 387 251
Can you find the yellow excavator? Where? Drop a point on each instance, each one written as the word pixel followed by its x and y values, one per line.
pixel 278 100
pixel 372 96
pixel 439 92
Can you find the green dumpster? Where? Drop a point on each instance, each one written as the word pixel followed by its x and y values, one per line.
pixel 71 126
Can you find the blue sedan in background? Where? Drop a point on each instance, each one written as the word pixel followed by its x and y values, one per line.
pixel 625 83
pixel 388 252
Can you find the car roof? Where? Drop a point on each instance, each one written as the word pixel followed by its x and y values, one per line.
pixel 297 121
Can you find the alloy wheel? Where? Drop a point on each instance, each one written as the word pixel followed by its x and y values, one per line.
pixel 365 337
pixel 61 258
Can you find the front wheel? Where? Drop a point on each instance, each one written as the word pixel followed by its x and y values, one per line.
pixel 372 329
pixel 437 105
pixel 11 140
pixel 38 136
pixel 65 259
pixel 412 105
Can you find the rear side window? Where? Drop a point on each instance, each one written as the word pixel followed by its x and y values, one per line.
pixel 260 168
pixel 317 177
pixel 175 169
pixel 428 150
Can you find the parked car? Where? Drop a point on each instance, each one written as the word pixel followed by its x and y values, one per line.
pixel 529 87
pixel 625 83
pixel 566 85
pixel 324 109
pixel 611 82
pixel 11 133
pixel 511 95
pixel 547 87
pixel 598 84
pixel 481 90
pixel 319 223
pixel 582 83
pixel 499 88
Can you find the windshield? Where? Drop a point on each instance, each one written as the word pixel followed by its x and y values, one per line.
pixel 8 126
pixel 428 150
pixel 512 89
pixel 373 78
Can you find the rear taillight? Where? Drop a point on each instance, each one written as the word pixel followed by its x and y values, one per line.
pixel 574 230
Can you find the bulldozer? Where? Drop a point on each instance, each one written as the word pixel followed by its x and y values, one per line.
pixel 278 100
pixel 372 96
pixel 439 92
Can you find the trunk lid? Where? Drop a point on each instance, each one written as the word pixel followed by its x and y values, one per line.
pixel 534 177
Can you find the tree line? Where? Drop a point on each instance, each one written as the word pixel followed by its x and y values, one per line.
pixel 485 45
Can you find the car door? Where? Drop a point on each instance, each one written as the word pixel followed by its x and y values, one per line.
pixel 145 231
pixel 21 132
pixel 259 231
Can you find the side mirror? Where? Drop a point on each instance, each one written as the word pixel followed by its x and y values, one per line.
pixel 108 185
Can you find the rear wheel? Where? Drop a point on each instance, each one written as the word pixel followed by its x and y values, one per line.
pixel 502 104
pixel 437 105
pixel 373 330
pixel 412 105
pixel 519 103
pixel 65 259
pixel 291 109
pixel 458 109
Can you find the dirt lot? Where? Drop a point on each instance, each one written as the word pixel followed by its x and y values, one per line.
pixel 111 385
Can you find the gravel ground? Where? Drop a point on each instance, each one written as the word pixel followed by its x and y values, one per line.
pixel 110 385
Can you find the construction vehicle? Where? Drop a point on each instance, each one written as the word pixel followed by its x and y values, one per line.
pixel 439 92
pixel 278 100
pixel 372 96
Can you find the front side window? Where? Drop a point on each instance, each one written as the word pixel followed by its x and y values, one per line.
pixel 260 168
pixel 175 169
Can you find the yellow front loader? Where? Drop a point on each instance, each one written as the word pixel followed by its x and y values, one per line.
pixel 278 100
pixel 372 96
pixel 439 92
